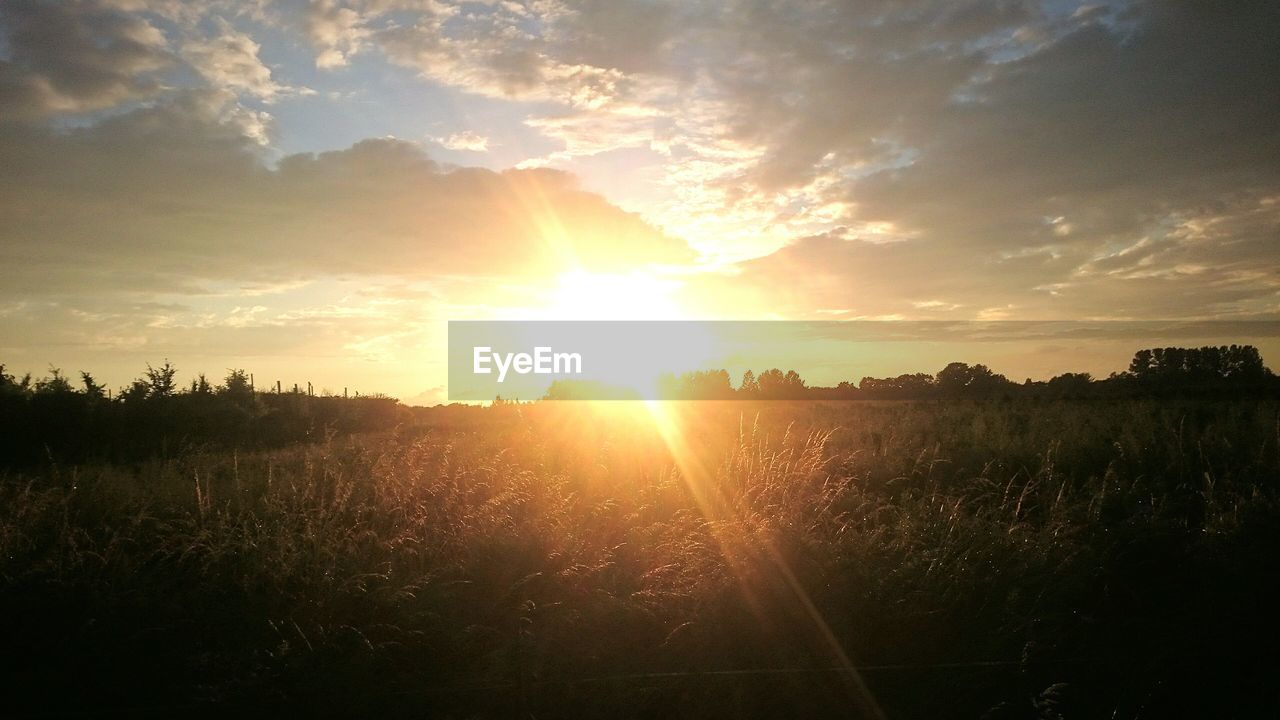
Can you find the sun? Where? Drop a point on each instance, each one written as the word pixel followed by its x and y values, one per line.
pixel 581 295
pixel 642 294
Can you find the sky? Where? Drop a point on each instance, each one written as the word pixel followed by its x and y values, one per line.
pixel 311 190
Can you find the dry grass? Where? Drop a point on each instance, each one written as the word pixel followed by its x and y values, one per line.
pixel 563 562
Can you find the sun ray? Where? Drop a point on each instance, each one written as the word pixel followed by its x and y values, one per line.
pixel 669 418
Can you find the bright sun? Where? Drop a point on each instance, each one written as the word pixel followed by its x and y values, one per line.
pixel 581 295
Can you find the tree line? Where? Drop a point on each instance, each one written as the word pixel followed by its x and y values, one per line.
pixel 1205 370
pixel 53 419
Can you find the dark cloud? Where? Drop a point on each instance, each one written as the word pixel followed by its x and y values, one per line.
pixel 1122 162
pixel 1209 267
pixel 172 197
pixel 1110 130
pixel 74 57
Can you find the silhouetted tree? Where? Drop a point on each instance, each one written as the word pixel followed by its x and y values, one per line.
pixel 844 390
pixel 711 385
pixel 236 386
pixel 697 385
pixel 10 385
pixel 138 391
pixel 200 385
pixel 959 379
pixel 91 387
pixel 50 419
pixel 1069 385
pixel 775 385
pixel 1172 366
pixel 912 386
pixel 160 380
pixel 55 384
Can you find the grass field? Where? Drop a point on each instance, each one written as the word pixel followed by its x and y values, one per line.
pixel 1020 559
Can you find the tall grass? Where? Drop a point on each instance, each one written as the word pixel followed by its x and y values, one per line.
pixel 925 560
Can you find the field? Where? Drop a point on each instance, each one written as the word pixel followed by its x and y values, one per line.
pixel 1013 559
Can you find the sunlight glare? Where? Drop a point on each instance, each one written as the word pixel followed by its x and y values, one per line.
pixel 581 295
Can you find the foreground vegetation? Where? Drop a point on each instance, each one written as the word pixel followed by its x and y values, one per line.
pixel 1026 559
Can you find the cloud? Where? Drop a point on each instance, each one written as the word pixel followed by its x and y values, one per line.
pixel 465 140
pixel 335 31
pixel 230 61
pixel 1011 150
pixel 75 57
pixel 1214 265
pixel 175 197
pixel 1096 129
pixel 496 58
pixel 504 50
pixel 1024 144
